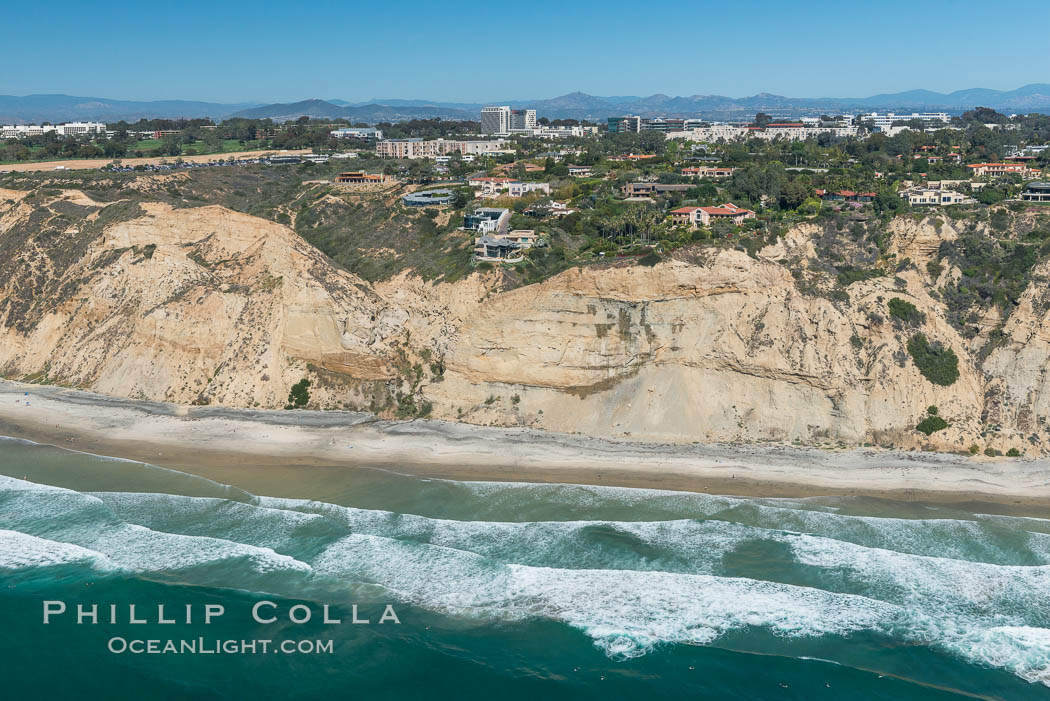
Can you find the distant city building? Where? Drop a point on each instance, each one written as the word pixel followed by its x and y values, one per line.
pixel 548 132
pixel 357 133
pixel 418 148
pixel 785 131
pixel 627 124
pixel 495 120
pixel 633 124
pixel 883 122
pixel 712 133
pixel 19 131
pixel 502 120
pixel 522 120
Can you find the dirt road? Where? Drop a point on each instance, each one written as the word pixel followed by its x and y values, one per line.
pixel 89 163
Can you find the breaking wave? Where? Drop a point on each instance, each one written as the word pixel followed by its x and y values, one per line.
pixel 977 588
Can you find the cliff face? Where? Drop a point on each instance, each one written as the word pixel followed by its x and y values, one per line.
pixel 205 305
pixel 728 350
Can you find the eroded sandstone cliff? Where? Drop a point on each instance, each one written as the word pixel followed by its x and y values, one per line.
pixel 206 305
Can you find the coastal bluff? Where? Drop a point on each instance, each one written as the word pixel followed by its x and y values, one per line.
pixel 208 306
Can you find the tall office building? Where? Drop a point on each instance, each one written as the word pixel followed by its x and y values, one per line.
pixel 629 123
pixel 496 120
pixel 522 120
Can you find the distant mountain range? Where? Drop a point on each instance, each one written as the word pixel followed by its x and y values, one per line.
pixel 33 109
pixel 577 105
pixel 325 109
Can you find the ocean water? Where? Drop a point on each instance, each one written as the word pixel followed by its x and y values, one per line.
pixel 515 589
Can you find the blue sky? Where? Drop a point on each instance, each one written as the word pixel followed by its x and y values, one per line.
pixel 255 51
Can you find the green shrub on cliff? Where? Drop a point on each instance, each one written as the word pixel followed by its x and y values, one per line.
pixel 937 364
pixel 932 424
pixel 905 311
pixel 300 394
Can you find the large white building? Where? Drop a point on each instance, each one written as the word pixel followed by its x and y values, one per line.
pixel 883 122
pixel 357 133
pixel 548 132
pixel 711 133
pixel 788 131
pixel 501 119
pixel 522 121
pixel 495 120
pixel 18 131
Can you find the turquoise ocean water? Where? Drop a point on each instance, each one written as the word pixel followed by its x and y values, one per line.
pixel 510 589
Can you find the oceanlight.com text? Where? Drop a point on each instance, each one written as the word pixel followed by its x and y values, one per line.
pixel 214 646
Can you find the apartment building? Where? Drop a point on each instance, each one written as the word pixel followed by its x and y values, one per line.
pixel 798 131
pixel 791 131
pixel 419 148
pixel 712 133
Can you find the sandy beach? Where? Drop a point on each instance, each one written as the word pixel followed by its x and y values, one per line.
pixel 183 437
pixel 91 163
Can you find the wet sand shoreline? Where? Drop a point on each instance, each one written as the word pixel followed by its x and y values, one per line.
pixel 220 441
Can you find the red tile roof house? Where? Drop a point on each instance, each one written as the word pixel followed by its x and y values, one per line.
pixel 980 169
pixel 703 216
pixel 845 196
pixel 476 182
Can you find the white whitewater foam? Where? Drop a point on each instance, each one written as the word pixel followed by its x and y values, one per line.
pixel 84 520
pixel 626 612
pixel 611 580
pixel 1023 650
pixel 19 551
